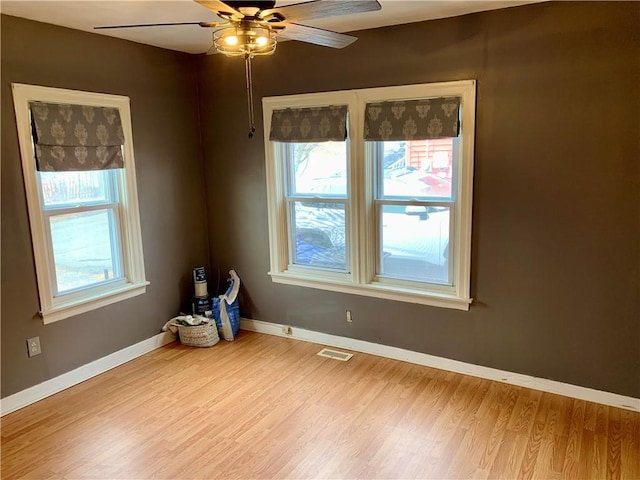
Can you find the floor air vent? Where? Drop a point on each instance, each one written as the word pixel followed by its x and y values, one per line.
pixel 342 356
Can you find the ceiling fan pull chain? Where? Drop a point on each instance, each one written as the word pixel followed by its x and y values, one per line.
pixel 252 126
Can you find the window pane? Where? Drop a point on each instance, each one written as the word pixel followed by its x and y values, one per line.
pixel 319 235
pixel 63 188
pixel 417 168
pixel 415 243
pixel 85 248
pixel 319 168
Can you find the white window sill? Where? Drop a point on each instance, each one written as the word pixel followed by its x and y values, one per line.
pixel 68 309
pixel 377 290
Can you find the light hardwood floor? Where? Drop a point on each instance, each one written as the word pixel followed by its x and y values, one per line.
pixel 269 407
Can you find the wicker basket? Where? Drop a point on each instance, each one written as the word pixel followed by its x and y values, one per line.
pixel 205 335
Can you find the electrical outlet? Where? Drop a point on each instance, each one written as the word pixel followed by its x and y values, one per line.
pixel 287 330
pixel 33 346
pixel 349 319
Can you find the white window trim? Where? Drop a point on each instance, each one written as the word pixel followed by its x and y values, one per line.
pixel 54 309
pixel 361 279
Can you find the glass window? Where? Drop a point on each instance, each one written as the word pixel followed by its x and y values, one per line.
pixel 317 203
pixel 414 243
pixel 387 219
pixel 318 234
pixel 318 169
pixel 85 249
pixel 61 189
pixel 85 225
pixel 414 201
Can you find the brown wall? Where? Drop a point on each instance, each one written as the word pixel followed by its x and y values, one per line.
pixel 163 91
pixel 556 214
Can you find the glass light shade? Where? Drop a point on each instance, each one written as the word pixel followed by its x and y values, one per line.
pixel 247 38
pixel 231 40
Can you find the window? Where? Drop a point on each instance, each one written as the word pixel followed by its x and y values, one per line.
pixel 413 205
pixel 79 173
pixel 383 207
pixel 316 197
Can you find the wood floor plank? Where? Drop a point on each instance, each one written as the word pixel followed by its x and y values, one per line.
pixel 535 434
pixel 614 445
pixel 510 455
pixel 494 441
pixel 266 407
pixel 572 455
pixel 630 450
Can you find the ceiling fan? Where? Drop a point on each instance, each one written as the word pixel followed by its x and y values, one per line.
pixel 251 27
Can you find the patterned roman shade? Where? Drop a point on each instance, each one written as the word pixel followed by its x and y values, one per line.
pixel 76 137
pixel 412 119
pixel 309 125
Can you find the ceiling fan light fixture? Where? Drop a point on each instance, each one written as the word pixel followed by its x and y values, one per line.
pixel 246 38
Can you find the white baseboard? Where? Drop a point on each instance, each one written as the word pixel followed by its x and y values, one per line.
pixel 38 392
pixel 545 385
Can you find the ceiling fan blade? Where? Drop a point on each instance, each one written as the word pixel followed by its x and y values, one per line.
pixel 317 36
pixel 202 24
pixel 218 7
pixel 322 9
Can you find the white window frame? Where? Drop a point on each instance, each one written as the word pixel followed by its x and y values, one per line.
pixel 54 308
pixel 361 278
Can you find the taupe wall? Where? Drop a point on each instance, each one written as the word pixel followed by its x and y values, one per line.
pixel 556 215
pixel 164 109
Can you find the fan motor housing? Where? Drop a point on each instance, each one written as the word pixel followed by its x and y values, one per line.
pixel 259 4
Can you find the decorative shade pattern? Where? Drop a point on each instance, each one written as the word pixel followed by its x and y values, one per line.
pixel 309 125
pixel 412 119
pixel 76 137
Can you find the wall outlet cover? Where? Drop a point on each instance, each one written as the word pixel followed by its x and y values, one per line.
pixel 33 346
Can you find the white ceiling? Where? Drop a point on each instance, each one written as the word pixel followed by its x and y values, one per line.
pixel 86 14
